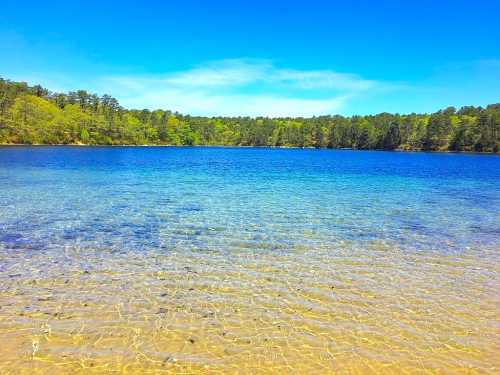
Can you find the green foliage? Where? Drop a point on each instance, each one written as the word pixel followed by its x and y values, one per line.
pixel 33 115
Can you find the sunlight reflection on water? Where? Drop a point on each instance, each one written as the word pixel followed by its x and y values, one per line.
pixel 251 261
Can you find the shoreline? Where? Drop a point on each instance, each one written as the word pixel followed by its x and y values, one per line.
pixel 238 146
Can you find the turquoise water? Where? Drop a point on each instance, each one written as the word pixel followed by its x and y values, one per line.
pixel 146 260
pixel 163 199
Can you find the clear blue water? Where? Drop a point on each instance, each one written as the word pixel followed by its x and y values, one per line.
pixel 248 260
pixel 237 199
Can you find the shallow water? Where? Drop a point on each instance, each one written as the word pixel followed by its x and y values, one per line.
pixel 224 260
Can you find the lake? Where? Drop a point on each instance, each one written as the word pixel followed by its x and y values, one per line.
pixel 257 260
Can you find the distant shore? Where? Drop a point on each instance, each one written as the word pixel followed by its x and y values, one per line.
pixel 36 116
pixel 240 146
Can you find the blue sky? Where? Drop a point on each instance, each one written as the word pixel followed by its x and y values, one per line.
pixel 271 57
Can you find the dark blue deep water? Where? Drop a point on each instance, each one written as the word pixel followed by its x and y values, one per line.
pixel 225 199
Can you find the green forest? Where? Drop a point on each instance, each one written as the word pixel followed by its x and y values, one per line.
pixel 34 115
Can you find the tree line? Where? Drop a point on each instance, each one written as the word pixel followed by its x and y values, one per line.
pixel 34 115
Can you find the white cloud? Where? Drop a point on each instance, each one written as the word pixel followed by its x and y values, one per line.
pixel 221 73
pixel 203 103
pixel 241 87
pixel 324 79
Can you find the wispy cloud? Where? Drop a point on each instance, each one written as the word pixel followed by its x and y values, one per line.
pixel 222 73
pixel 242 87
pixel 203 103
pixel 315 79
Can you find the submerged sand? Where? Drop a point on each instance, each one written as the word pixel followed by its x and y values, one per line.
pixel 343 310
